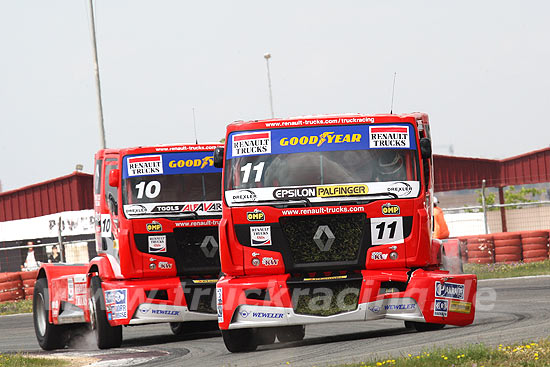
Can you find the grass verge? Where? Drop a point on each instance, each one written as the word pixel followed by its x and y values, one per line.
pixel 20 360
pixel 478 355
pixel 15 307
pixel 491 271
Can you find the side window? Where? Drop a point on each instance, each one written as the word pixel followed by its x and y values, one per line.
pixel 97 177
pixel 110 164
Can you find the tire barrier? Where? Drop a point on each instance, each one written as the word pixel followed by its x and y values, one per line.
pixel 507 247
pixel 17 286
pixel 480 249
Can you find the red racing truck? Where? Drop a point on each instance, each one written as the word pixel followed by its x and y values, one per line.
pixel 157 214
pixel 326 219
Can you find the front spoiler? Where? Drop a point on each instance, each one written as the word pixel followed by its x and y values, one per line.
pixel 429 296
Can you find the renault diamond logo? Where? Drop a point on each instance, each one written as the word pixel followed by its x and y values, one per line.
pixel 319 241
pixel 209 240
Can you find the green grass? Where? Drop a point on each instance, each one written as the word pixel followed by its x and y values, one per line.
pixel 478 355
pixel 20 360
pixel 491 271
pixel 15 307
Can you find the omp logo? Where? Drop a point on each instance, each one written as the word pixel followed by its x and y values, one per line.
pixel 389 209
pixel 154 226
pixel 206 161
pixel 324 245
pixel 256 216
pixel 344 190
pixel 327 137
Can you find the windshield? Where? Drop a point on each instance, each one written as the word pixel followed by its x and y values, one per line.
pixel 322 162
pixel 175 184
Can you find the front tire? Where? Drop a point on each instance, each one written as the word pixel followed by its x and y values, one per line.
pixel 49 336
pixel 291 333
pixel 240 340
pixel 107 336
pixel 423 326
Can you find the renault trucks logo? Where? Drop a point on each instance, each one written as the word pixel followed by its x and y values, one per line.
pixel 328 137
pixel 389 137
pixel 324 245
pixel 209 246
pixel 145 165
pixel 251 143
pixel 154 226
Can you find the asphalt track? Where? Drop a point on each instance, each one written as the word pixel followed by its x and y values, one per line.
pixel 509 310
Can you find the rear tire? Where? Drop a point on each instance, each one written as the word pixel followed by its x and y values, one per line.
pixel 240 340
pixel 291 333
pixel 107 336
pixel 49 336
pixel 424 326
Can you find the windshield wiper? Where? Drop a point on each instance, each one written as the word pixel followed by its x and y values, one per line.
pixel 364 197
pixel 189 213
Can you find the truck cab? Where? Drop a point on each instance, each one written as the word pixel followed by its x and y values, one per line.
pixel 157 214
pixel 326 219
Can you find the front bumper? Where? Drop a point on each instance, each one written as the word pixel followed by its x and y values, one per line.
pixel 425 296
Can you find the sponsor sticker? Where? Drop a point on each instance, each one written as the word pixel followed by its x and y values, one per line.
pixel 70 289
pixel 342 190
pixel 154 226
pixel 269 261
pixel 145 165
pixel 461 307
pixel 208 207
pixel 205 281
pixel 157 244
pixel 400 189
pixel 295 192
pixel 117 301
pixel 379 256
pixel 389 209
pixel 389 136
pixel 327 278
pixel 219 303
pixel 400 307
pixel 251 143
pixel 242 196
pixel 256 216
pixel 441 306
pixel 135 209
pixel 164 265
pixel 260 236
pixel 449 290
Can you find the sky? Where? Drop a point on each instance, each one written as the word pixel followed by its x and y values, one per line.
pixel 478 68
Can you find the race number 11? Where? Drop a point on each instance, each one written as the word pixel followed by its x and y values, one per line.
pixel 386 230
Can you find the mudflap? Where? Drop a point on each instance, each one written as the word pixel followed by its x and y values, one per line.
pixel 444 298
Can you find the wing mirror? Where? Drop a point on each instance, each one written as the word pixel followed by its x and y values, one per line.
pixel 426 148
pixel 218 157
pixel 114 177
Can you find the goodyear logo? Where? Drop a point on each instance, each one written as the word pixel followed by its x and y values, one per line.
pixel 343 190
pixel 389 209
pixel 327 137
pixel 206 161
pixel 154 227
pixel 255 216
pixel 461 307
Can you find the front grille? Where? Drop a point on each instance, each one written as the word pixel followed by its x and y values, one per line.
pixel 324 298
pixel 324 238
pixel 197 250
pixel 199 296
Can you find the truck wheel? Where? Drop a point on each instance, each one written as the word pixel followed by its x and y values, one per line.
pixel 291 333
pixel 49 336
pixel 266 335
pixel 423 326
pixel 178 328
pixel 240 340
pixel 107 336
